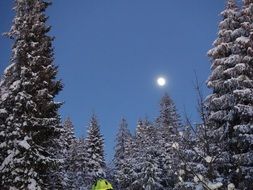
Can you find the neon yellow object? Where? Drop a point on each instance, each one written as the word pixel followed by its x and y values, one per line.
pixel 102 184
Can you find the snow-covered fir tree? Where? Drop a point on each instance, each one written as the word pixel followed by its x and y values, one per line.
pixel 168 118
pixel 187 157
pixel 168 128
pixel 242 89
pixel 69 134
pixel 145 158
pixel 122 156
pixel 81 169
pixel 62 177
pixel 95 151
pixel 74 158
pixel 76 165
pixel 68 152
pixel 231 104
pixel 29 120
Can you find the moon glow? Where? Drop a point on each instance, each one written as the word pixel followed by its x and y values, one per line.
pixel 161 81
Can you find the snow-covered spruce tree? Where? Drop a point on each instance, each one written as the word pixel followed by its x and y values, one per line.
pixel 230 105
pixel 81 173
pixel 242 89
pixel 74 158
pixel 122 156
pixel 169 125
pixel 145 158
pixel 187 158
pixel 61 176
pixel 68 135
pixel 95 151
pixel 68 140
pixel 76 165
pixel 168 118
pixel 29 119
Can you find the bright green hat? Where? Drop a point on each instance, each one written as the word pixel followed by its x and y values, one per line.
pixel 102 184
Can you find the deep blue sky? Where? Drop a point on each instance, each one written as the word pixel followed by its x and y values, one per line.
pixel 110 52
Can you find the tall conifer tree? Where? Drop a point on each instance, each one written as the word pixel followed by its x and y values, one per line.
pixel 168 126
pixel 230 105
pixel 145 159
pixel 122 157
pixel 68 153
pixel 29 120
pixel 95 151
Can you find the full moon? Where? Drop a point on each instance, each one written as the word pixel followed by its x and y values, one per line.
pixel 161 81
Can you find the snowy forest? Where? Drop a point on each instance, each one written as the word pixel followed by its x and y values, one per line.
pixel 40 151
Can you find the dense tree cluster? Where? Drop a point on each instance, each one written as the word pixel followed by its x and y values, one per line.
pixel 38 151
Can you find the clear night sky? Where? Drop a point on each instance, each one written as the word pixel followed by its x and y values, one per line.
pixel 110 52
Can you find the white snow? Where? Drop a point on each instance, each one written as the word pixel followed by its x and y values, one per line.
pixel 244 93
pixel 3 111
pixel 8 68
pixel 243 40
pixel 3 145
pixel 198 178
pixel 4 96
pixel 181 172
pixel 175 145
pixel 199 187
pixel 231 186
pixel 33 185
pixel 42 92
pixel 243 128
pixel 13 188
pixel 15 85
pixel 245 109
pixel 24 144
pixel 214 186
pixel 208 159
pixel 180 179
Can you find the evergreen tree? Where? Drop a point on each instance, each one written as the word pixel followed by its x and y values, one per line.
pixel 122 157
pixel 188 160
pixel 75 175
pixel 241 143
pixel 168 125
pixel 75 159
pixel 168 118
pixel 29 120
pixel 230 105
pixel 81 164
pixel 62 177
pixel 69 134
pixel 95 151
pixel 147 171
pixel 69 140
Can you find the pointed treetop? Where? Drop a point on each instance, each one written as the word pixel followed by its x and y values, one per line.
pixel 231 4
pixel 93 120
pixel 68 123
pixel 140 122
pixel 123 122
pixel 123 127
